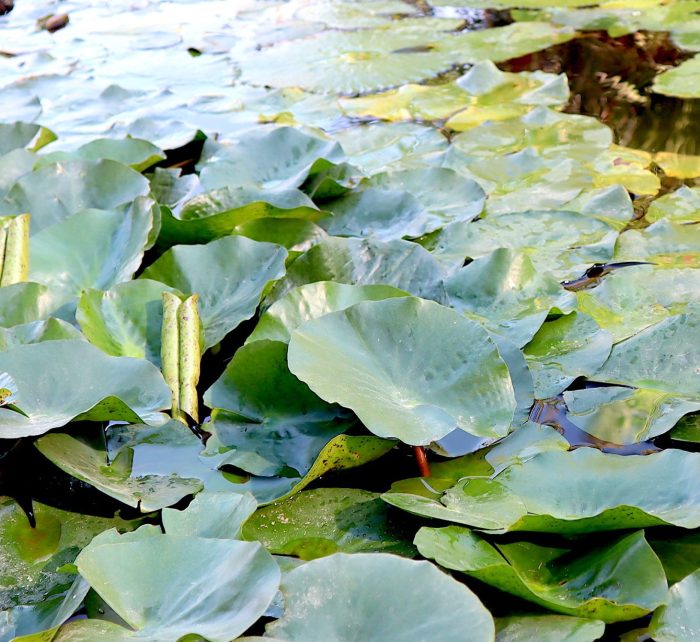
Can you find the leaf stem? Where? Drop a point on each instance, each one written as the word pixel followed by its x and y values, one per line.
pixel 422 461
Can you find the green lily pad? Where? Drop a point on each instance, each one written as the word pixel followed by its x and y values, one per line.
pixel 508 295
pixel 142 579
pixel 319 522
pixel 23 303
pixel 266 421
pixel 40 622
pixel 659 357
pixel 483 93
pixel 549 133
pixel 626 415
pixel 55 192
pixel 17 135
pixel 103 388
pixel 39 556
pixel 665 243
pixel 312 301
pixel 620 580
pixel 579 491
pixel 278 159
pixel 366 596
pixel 682 81
pixel 412 380
pixel 126 320
pixel 228 274
pixel 563 243
pixel 378 147
pixel 116 477
pixel 630 300
pixel 90 249
pixel 219 212
pixel 399 263
pixel 566 348
pixel 548 628
pixel 37 331
pixel 352 61
pixel 137 154
pixel 213 515
pixel 13 166
pixel 678 620
pixel 682 205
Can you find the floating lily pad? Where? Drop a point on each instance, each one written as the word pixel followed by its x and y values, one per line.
pixel 319 522
pixel 401 264
pixel 632 299
pixel 36 331
pixel 566 348
pixel 228 274
pixel 508 295
pixel 125 320
pixel 563 243
pixel 39 555
pixel 678 620
pixel 141 579
pixel 580 491
pixel 409 380
pixel 312 301
pixel 665 243
pixel 103 388
pixel 547 628
pixel 660 357
pixel 90 249
pixel 55 192
pixel 626 415
pixel 266 421
pixel 681 81
pixel 278 159
pixel 366 595
pixel 219 212
pixel 620 580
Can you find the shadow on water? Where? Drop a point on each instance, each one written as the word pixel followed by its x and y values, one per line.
pixel 611 79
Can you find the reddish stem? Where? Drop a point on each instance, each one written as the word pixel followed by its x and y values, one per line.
pixel 422 461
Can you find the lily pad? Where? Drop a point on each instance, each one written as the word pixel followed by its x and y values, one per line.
pixel 40 555
pixel 90 249
pixel 37 331
pixel 660 357
pixel 563 243
pixel 682 81
pixel 626 415
pixel 278 159
pixel 125 320
pixel 580 491
pixel 312 301
pixel 678 620
pixel 410 379
pixel 266 421
pixel 142 579
pixel 213 515
pixel 319 522
pixel 566 348
pixel 219 212
pixel 399 263
pixel 547 628
pixel 228 274
pixel 117 477
pixel 630 300
pixel 665 243
pixel 508 295
pixel 53 193
pixel 620 580
pixel 366 595
pixel 103 388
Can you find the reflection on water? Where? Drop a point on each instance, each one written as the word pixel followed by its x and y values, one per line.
pixel 610 78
